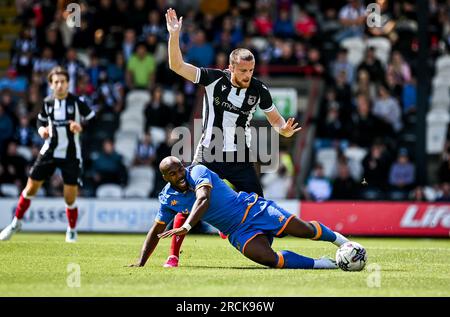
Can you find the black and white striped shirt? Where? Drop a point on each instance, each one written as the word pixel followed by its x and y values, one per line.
pixel 227 107
pixel 57 114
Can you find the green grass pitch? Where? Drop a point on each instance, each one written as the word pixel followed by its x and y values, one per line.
pixel 37 265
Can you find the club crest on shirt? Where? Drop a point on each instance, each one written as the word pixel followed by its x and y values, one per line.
pixel 70 109
pixel 173 202
pixel 251 100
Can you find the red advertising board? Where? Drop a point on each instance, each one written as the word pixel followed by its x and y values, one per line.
pixel 381 218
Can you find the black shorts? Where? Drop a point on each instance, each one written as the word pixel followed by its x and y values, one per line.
pixel 45 166
pixel 241 175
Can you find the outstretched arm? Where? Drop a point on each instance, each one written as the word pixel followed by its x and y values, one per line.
pixel 285 128
pixel 200 206
pixel 150 243
pixel 176 62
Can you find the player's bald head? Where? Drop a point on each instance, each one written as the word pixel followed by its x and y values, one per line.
pixel 168 163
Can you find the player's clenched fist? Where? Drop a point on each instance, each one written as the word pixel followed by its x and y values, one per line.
pixel 75 127
pixel 43 132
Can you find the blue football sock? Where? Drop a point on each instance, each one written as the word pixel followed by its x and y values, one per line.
pixel 291 260
pixel 322 232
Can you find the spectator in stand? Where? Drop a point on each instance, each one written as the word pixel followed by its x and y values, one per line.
pixel 387 27
pixel 409 97
pixel 282 65
pixel 418 194
pixel 387 109
pixel 145 151
pixel 305 25
pixel 116 70
pixel 401 176
pixel 341 64
pixel 108 167
pixel 314 65
pixel 262 23
pixel 180 112
pixel 352 17
pixel 45 63
pixel 365 127
pixel 372 65
pixel 141 69
pixel 22 53
pixel 24 135
pixel 364 85
pixel 53 40
pixel 55 185
pixel 444 167
pixel 331 127
pixel 154 26
pixel 95 69
pixel 376 168
pixel 129 42
pixel 399 69
pixel 318 187
pixel 344 186
pixel 157 113
pixel 395 88
pixel 139 14
pixel 444 195
pixel 284 27
pixel 235 33
pixel 13 82
pixel 6 127
pixel 83 36
pixel 343 89
pixel 13 166
pixel 74 67
pixel 201 53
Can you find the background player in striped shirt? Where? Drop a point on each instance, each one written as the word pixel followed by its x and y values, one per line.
pixel 230 100
pixel 59 124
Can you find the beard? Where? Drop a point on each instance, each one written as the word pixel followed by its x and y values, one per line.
pixel 243 84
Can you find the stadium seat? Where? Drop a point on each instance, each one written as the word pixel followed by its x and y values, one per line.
pixel 141 173
pixel 9 190
pixel 437 123
pixel 109 191
pixel 440 81
pixel 382 48
pixel 137 192
pixel 25 152
pixel 133 126
pixel 168 97
pixel 356 49
pixel 259 43
pixel 158 135
pixel 443 64
pixel 441 98
pixel 355 156
pixel 328 158
pixel 136 98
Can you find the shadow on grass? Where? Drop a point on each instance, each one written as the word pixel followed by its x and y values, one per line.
pixel 225 267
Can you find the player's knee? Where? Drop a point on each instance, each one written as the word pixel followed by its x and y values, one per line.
pixel 69 201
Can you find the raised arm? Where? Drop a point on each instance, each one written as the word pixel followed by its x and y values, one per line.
pixel 176 62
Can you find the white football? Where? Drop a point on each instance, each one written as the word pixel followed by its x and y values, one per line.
pixel 351 256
